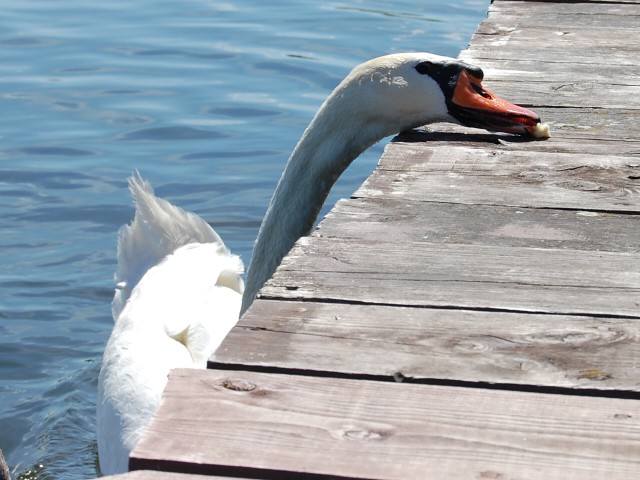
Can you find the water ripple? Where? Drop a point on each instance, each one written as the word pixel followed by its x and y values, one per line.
pixel 173 133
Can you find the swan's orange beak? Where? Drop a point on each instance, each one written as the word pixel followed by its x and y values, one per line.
pixel 475 106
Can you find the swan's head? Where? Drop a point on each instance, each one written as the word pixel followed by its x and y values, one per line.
pixel 408 90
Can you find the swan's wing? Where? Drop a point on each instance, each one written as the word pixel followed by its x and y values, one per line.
pixel 194 294
pixel 176 316
pixel 157 230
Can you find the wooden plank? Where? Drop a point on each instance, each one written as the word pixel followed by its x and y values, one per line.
pixel 374 218
pixel 561 46
pixel 538 16
pixel 460 276
pixel 550 13
pixel 580 189
pixel 570 92
pixel 422 344
pixel 580 129
pixel 547 34
pixel 619 43
pixel 286 426
pixel 520 73
pixel 506 177
pixel 507 163
pixel 495 51
pixel 570 134
pixel 503 22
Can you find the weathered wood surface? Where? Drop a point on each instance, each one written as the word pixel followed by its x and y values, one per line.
pixel 295 426
pixel 507 17
pixel 460 276
pixel 498 225
pixel 608 132
pixel 425 344
pixel 498 276
pixel 490 176
pixel 547 32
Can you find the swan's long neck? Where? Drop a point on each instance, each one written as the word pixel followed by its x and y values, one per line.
pixel 335 137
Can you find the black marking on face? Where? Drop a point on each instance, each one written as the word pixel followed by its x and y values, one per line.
pixel 446 74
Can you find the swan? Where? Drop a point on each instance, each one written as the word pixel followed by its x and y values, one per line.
pixel 179 290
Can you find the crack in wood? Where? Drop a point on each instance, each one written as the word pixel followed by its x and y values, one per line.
pixel 393 378
pixel 464 308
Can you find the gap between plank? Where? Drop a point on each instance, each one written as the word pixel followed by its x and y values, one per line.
pixel 318 299
pixel 230 471
pixel 398 377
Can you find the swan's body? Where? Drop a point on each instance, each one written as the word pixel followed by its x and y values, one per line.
pixel 166 254
pixel 179 289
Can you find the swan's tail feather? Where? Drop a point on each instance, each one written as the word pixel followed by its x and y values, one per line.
pixel 157 230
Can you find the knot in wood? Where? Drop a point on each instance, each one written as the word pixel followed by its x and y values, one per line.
pixel 622 416
pixel 238 385
pixel 365 433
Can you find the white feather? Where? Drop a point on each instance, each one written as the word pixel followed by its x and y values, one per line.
pixel 179 295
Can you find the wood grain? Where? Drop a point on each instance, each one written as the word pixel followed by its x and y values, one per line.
pixel 573 130
pixel 375 219
pixel 460 276
pixel 509 178
pixel 425 344
pixel 516 75
pixel 586 45
pixel 551 15
pixel 286 426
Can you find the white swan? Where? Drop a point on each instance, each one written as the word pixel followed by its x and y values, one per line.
pixel 179 289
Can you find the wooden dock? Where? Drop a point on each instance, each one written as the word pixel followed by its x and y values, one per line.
pixel 473 312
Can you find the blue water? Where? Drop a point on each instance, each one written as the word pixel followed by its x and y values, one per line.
pixel 206 98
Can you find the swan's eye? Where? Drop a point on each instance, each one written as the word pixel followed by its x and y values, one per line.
pixel 481 91
pixel 426 68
